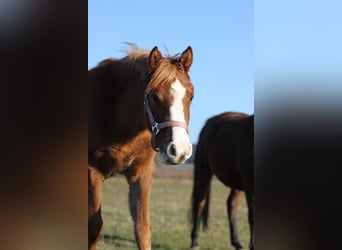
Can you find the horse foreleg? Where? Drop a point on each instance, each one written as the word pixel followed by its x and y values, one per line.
pixel 233 202
pixel 139 197
pixel 94 207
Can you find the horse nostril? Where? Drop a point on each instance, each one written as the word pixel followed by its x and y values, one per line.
pixel 171 150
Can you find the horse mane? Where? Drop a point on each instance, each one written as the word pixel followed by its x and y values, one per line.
pixel 137 60
pixel 134 52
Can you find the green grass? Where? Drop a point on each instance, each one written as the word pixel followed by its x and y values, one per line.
pixel 169 207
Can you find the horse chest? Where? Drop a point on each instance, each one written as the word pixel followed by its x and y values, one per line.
pixel 119 157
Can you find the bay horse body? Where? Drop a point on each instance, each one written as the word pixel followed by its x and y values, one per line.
pixel 225 149
pixel 138 105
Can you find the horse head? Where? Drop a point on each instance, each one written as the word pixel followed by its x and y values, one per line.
pixel 167 103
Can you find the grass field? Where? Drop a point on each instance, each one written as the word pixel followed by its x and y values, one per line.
pixel 169 207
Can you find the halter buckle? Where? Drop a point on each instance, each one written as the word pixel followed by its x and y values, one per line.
pixel 155 128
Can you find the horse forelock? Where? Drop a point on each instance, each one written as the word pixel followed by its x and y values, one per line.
pixel 167 72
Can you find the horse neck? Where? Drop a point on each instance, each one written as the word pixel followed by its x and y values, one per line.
pixel 121 105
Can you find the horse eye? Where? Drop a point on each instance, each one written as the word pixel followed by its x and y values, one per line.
pixel 191 98
pixel 155 98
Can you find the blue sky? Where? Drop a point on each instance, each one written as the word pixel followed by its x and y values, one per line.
pixel 220 33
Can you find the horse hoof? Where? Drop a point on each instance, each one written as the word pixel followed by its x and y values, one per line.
pixel 238 247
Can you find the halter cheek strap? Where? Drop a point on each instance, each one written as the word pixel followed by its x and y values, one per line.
pixel 156 127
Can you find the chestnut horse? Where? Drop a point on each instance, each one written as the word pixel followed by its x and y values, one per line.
pixel 225 149
pixel 138 104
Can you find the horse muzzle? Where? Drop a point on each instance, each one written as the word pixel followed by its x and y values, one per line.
pixel 177 153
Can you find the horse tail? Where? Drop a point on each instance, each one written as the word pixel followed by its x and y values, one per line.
pixel 205 213
pixel 201 184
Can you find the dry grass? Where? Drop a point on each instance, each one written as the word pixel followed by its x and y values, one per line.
pixel 170 204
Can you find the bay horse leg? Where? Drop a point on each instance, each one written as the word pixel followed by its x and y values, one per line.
pixel 250 204
pixel 200 203
pixel 248 165
pixel 95 223
pixel 139 198
pixel 233 202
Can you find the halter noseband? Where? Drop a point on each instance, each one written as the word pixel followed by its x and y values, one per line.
pixel 156 127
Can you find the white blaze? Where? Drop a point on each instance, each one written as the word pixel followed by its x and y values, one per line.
pixel 179 135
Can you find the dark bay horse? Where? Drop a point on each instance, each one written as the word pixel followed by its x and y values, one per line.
pixel 225 149
pixel 138 104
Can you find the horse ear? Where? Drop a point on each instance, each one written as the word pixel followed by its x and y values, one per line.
pixel 186 59
pixel 154 58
